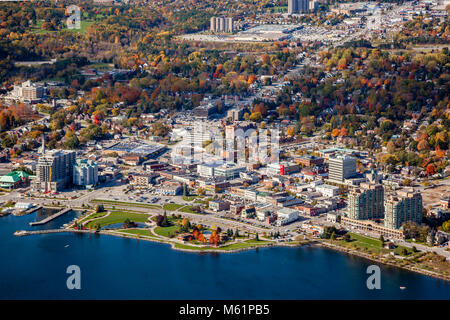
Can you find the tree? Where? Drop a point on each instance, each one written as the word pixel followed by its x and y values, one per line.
pixel 446 226
pixel 99 208
pixel 165 221
pixel 382 240
pixel 430 170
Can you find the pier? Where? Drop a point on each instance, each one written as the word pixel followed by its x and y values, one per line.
pixel 50 218
pixel 29 233
pixel 31 210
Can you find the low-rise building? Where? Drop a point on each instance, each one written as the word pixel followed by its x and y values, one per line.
pixel 170 188
pixel 219 205
pixel 286 216
pixel 328 190
pixel 143 179
pixel 14 179
pixel 371 226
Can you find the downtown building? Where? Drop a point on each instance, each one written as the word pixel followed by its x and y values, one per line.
pixel 298 6
pixel 366 202
pixel 341 168
pixel 221 24
pixel 405 205
pixel 54 170
pixel 28 91
pixel 85 173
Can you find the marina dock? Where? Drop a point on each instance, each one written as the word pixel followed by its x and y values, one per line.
pixel 50 218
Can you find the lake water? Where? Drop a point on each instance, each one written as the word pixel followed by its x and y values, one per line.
pixel 34 267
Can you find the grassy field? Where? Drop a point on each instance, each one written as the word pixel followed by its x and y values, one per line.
pixel 234 246
pixel 172 206
pixel 140 232
pixel 189 198
pixel 37 28
pixel 94 216
pixel 118 217
pixel 118 203
pixel 188 209
pixel 165 231
pixel 369 244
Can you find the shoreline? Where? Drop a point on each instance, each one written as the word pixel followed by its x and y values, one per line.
pixel 317 243
pixel 371 258
pixel 274 244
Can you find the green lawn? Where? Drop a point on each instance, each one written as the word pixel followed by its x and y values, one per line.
pixel 399 249
pixel 94 216
pixel 361 242
pixel 118 203
pixel 189 198
pixel 165 231
pixel 188 209
pixel 371 244
pixel 141 232
pixel 118 217
pixel 234 246
pixel 172 206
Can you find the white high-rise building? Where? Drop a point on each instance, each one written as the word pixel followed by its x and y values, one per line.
pixel 54 170
pixel 341 168
pixel 298 6
pixel 85 173
pixel 221 24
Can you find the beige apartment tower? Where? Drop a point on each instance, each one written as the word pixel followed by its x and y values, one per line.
pixel 366 202
pixel 405 205
pixel 221 24
pixel 54 170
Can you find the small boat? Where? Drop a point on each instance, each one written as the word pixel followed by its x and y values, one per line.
pixel 66 246
pixel 402 288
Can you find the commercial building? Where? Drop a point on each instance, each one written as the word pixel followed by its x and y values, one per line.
pixel 134 147
pixel 229 171
pixel 207 169
pixel 28 91
pixel 282 168
pixel 204 111
pixel 328 190
pixel 308 161
pixel 219 205
pixel 341 168
pixel 298 6
pixel 85 172
pixel 170 188
pixel 366 202
pixel 286 216
pixel 226 170
pixel 221 24
pixel 143 179
pixel 371 226
pixel 404 206
pixel 14 179
pixel 54 170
